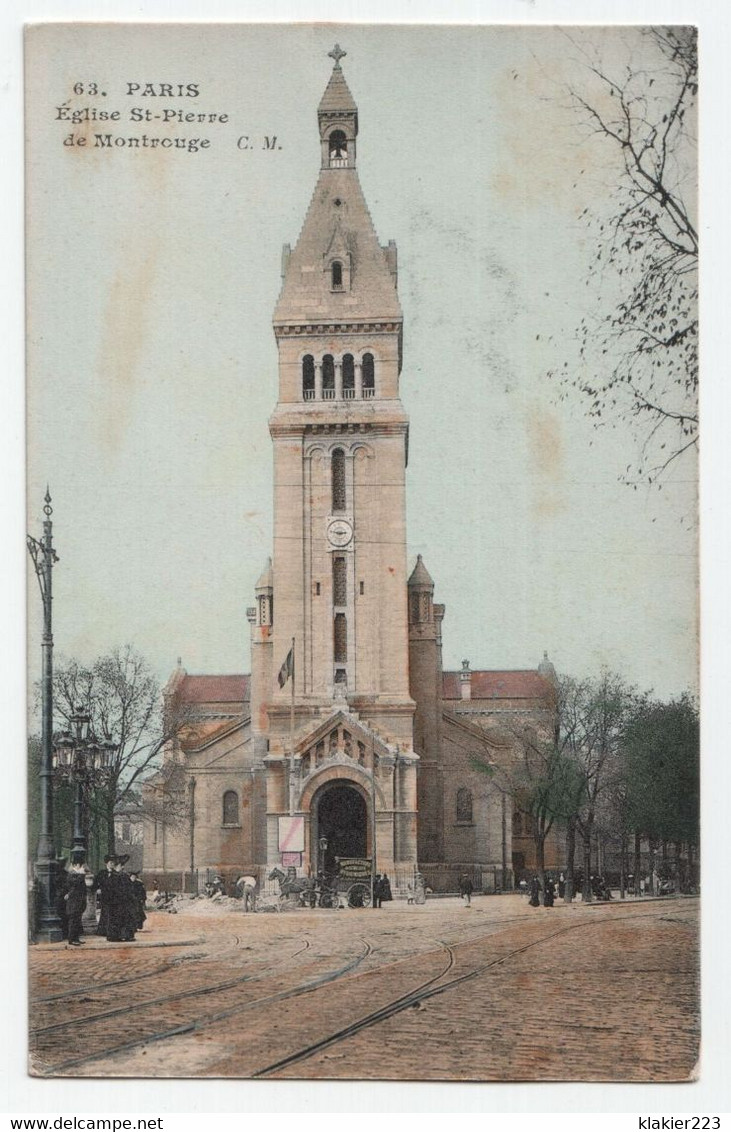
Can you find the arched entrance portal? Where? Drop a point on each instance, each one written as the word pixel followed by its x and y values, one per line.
pixel 342 819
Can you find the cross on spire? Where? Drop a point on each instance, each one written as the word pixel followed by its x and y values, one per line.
pixel 337 54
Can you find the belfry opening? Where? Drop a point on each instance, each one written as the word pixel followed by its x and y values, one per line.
pixel 341 817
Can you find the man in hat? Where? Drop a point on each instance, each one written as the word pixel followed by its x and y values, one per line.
pixel 101 886
pixel 75 900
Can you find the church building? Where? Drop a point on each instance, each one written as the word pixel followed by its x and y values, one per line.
pixel 347 739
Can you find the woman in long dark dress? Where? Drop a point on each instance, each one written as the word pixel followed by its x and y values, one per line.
pixel 535 893
pixel 549 893
pixel 101 884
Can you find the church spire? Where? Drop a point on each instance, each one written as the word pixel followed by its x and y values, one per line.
pixel 338 272
pixel 337 116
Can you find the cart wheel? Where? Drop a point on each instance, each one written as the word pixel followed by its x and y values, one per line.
pixel 328 899
pixel 359 896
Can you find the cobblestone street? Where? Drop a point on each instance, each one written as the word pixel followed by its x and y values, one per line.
pixel 499 991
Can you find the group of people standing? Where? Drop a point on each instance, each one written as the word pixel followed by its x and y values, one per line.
pixel 549 892
pixel 121 898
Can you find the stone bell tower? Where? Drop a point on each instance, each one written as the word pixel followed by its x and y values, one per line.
pixel 337 584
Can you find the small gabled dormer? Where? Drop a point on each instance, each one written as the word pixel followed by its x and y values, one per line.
pixel 336 262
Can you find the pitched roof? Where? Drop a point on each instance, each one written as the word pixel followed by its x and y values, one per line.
pixel 337 96
pixel 516 684
pixel 420 576
pixel 214 689
pixel 306 296
pixel 200 734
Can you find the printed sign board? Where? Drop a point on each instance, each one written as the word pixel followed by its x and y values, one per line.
pixel 291 835
pixel 355 868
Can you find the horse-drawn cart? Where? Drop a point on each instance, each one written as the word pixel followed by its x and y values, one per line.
pixel 349 886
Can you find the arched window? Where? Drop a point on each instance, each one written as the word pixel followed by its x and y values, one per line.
pixel 338 480
pixel 369 378
pixel 308 377
pixel 328 377
pixel 464 805
pixel 348 377
pixel 338 149
pixel 340 585
pixel 340 639
pixel 230 808
pixel 336 275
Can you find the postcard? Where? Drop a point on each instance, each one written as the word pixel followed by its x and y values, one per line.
pixel 363 577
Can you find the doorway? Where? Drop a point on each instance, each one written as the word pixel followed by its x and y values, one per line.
pixel 342 819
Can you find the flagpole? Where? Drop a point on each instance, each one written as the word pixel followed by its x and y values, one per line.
pixel 291 740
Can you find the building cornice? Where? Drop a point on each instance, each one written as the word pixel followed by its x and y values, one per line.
pixel 305 329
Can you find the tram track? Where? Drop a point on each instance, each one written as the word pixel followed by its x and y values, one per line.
pixel 436 984
pixel 419 995
pixel 214 988
pixel 95 988
pixel 207 1019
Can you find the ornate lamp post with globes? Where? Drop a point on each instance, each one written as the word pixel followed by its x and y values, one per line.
pixel 80 758
pixel 84 761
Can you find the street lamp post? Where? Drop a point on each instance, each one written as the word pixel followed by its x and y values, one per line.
pixel 47 921
pixel 80 758
pixel 322 846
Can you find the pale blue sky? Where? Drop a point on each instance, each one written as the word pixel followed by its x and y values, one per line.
pixel 153 369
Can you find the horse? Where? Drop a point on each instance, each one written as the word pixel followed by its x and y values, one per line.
pixel 245 888
pixel 301 887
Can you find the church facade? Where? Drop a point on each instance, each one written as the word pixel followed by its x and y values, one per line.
pixel 347 738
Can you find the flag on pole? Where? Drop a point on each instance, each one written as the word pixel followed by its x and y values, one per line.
pixel 287 668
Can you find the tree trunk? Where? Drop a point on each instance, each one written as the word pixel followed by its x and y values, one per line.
pixel 110 824
pixel 638 864
pixel 622 866
pixel 570 854
pixel 652 868
pixel 586 892
pixel 541 861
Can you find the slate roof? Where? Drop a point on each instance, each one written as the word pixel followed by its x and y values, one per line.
pixel 518 684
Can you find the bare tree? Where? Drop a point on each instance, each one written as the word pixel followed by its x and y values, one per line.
pixel 639 357
pixel 603 707
pixel 125 702
pixel 542 776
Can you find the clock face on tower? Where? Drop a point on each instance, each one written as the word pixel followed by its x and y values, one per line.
pixel 339 532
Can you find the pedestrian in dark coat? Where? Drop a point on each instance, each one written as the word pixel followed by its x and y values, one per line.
pixel 535 893
pixel 75 901
pixel 378 891
pixel 101 883
pixel 465 889
pixel 140 895
pixel 122 918
pixel 386 893
pixel 549 893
